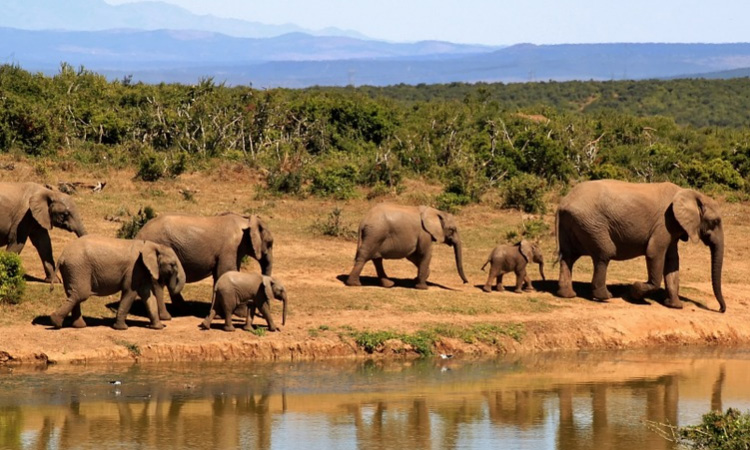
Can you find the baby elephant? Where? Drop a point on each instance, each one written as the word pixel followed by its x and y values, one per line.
pixel 236 288
pixel 97 265
pixel 513 258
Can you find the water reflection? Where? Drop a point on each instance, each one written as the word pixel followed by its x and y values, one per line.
pixel 595 401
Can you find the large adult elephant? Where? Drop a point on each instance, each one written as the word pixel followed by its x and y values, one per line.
pixel 391 231
pixel 614 220
pixel 29 211
pixel 210 245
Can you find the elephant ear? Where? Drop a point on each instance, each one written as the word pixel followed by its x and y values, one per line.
pixel 267 282
pixel 526 249
pixel 686 207
pixel 150 258
pixel 432 222
pixel 39 206
pixel 256 236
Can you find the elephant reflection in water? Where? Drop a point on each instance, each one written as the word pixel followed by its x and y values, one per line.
pixel 520 408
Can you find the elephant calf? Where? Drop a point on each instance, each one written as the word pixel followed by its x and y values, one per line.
pixel 513 258
pixel 97 265
pixel 234 289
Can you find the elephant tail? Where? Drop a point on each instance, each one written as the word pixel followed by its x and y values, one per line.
pixel 485 264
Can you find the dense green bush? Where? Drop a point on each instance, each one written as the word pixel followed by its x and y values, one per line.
pixel 12 282
pixel 718 431
pixel 129 229
pixel 525 192
pixel 337 182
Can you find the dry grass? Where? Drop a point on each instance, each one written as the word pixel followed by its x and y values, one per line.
pixel 311 265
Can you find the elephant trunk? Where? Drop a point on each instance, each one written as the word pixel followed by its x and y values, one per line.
pixel 717 261
pixel 283 314
pixel 457 247
pixel 266 263
pixel 177 281
pixel 79 229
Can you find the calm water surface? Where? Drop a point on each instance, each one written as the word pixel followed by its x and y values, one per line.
pixel 568 401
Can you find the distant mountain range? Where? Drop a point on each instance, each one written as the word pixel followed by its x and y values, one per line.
pixel 156 42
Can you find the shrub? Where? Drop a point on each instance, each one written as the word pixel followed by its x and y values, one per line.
pixel 525 192
pixel 12 283
pixel 151 167
pixel 718 431
pixel 281 181
pixel 128 230
pixel 334 226
pixel 336 182
pixel 451 202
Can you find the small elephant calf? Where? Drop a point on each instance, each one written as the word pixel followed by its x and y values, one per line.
pixel 513 258
pixel 236 288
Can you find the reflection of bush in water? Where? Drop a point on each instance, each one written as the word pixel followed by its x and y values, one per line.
pixel 10 427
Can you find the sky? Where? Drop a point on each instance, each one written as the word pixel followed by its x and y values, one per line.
pixel 500 22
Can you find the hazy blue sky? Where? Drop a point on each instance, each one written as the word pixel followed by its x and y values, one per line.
pixel 501 21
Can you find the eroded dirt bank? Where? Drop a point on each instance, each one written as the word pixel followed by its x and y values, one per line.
pixel 575 324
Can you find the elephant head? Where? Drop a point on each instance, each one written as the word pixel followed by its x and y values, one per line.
pixel 532 253
pixel 52 208
pixel 261 241
pixel 442 227
pixel 274 289
pixel 164 266
pixel 699 218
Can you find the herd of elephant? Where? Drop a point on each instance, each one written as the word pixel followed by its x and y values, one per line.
pixel 604 219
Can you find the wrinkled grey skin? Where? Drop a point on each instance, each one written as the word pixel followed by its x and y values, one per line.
pixel 513 258
pixel 251 289
pixel 210 246
pixel 98 265
pixel 613 220
pixel 29 211
pixel 391 231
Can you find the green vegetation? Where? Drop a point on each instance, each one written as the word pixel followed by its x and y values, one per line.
pixel 517 140
pixel 718 431
pixel 129 229
pixel 334 226
pixel 12 283
pixel 423 341
pixel 132 347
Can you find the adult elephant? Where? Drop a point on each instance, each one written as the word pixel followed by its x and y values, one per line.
pixel 393 231
pixel 29 211
pixel 209 245
pixel 614 220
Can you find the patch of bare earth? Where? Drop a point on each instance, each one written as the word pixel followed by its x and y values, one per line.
pixel 324 313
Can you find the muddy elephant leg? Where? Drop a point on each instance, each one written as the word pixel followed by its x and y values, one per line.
pixel 384 281
pixel 565 283
pixel 158 293
pixel 265 309
pixel 152 310
pixel 656 269
pixel 62 312
pixel 126 301
pixel 494 274
pixel 672 277
pixel 78 321
pixel 423 268
pixel 599 281
pixel 43 245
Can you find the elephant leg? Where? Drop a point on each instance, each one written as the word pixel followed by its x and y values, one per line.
pixel 672 277
pixel 528 287
pixel 599 280
pixel 152 310
pixel 423 270
pixel 158 292
pixel 520 275
pixel 228 312
pixel 43 245
pixel 565 283
pixel 206 324
pixel 126 301
pixel 499 285
pixel 490 278
pixel 78 321
pixel 384 281
pixel 353 278
pixel 62 312
pixel 655 266
pixel 266 310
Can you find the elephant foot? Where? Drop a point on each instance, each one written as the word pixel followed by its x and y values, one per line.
pixel 601 294
pixel 120 326
pixel 248 327
pixel 79 323
pixel 57 320
pixel 673 303
pixel 566 292
pixel 386 283
pixel 639 290
pixel 156 326
pixel 49 279
pixel 165 316
pixel 205 325
pixel 518 291
pixel 529 289
pixel 228 328
pixel 270 328
pixel 353 282
pixel 422 286
pixel 487 288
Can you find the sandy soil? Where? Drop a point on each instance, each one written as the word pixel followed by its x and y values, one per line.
pixel 323 311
